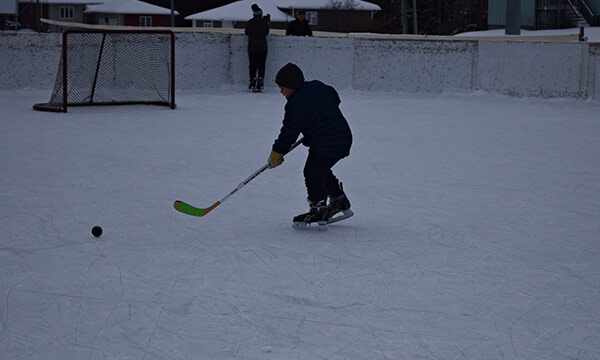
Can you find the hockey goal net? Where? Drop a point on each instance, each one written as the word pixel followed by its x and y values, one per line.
pixel 113 67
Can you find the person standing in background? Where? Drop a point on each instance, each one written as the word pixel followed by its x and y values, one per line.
pixel 257 30
pixel 300 26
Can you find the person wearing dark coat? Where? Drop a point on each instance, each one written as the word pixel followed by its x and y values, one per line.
pixel 300 26
pixel 257 29
pixel 312 109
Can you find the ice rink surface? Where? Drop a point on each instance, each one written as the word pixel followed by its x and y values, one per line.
pixel 476 232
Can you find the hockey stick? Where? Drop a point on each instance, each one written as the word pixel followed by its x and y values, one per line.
pixel 196 211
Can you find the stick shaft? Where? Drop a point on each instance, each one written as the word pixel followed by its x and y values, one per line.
pixel 256 173
pixel 196 211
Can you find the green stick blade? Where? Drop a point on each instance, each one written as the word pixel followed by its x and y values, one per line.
pixel 188 209
pixel 192 210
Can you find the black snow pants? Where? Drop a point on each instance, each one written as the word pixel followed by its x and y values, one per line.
pixel 257 63
pixel 319 179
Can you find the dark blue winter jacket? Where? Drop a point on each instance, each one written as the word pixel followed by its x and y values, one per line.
pixel 313 111
pixel 257 31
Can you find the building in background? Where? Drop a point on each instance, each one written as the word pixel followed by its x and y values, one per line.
pixel 331 15
pixel 7 14
pixel 128 13
pixel 322 15
pixel 236 14
pixel 30 11
pixel 548 14
pixel 115 12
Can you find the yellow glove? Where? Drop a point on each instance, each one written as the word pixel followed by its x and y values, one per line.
pixel 275 159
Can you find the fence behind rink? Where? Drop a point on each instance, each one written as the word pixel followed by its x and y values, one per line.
pixel 549 66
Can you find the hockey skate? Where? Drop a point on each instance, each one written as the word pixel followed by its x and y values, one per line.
pixel 315 219
pixel 259 85
pixel 252 85
pixel 338 204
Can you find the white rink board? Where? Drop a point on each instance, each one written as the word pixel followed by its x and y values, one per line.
pixel 211 60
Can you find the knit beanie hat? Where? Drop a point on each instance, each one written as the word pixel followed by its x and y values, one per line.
pixel 256 11
pixel 290 76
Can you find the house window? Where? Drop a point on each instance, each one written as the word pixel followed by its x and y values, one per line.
pixel 66 12
pixel 107 21
pixel 145 20
pixel 311 17
pixel 208 23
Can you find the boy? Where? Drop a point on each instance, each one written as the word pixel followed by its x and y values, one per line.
pixel 313 109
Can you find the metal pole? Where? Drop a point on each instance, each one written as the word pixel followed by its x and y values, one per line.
pixel 64 70
pixel 415 28
pixel 37 16
pixel 513 17
pixel 16 15
pixel 172 13
pixel 404 24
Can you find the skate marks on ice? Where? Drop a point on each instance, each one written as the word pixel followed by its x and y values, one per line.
pixel 500 262
pixel 447 289
pixel 450 279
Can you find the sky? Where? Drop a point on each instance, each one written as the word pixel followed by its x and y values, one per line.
pixel 475 234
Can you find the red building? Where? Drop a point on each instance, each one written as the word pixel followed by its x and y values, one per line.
pixel 115 12
pixel 128 13
pixel 30 11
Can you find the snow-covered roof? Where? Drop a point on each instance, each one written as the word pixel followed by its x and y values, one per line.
pixel 240 11
pixel 128 7
pixel 324 4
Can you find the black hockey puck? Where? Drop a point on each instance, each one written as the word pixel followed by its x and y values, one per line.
pixel 96 231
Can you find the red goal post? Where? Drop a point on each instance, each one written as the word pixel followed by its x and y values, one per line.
pixel 114 67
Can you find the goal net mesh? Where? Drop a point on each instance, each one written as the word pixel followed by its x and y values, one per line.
pixel 110 67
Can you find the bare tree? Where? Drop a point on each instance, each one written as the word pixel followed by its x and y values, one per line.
pixel 435 17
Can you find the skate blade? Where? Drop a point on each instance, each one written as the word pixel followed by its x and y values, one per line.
pixel 344 215
pixel 321 225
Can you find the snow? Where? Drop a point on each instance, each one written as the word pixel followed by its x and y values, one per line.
pixel 326 4
pixel 127 7
pixel 241 11
pixel 592 33
pixel 475 232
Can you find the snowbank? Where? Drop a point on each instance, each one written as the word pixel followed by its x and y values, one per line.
pixel 591 33
pixel 211 60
